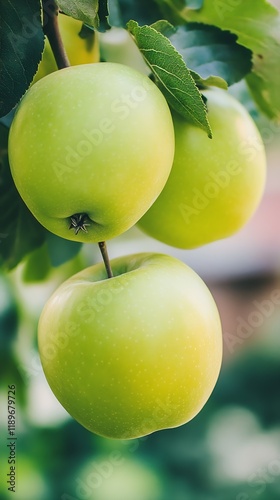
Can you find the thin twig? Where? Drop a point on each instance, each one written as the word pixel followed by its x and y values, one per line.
pixel 105 257
pixel 51 30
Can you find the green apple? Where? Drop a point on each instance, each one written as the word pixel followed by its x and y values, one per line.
pixel 135 353
pixel 215 185
pixel 91 148
pixel 79 50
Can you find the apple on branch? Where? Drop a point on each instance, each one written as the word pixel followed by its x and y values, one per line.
pixel 79 50
pixel 215 184
pixel 90 149
pixel 135 353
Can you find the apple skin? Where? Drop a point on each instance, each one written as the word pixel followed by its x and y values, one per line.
pixel 215 184
pixel 135 353
pixel 79 50
pixel 95 139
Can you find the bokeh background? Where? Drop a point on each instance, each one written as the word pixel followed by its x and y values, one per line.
pixel 231 450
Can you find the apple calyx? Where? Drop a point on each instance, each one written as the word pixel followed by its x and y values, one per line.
pixel 78 222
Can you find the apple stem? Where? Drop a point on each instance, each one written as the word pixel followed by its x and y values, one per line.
pixel 105 257
pixel 51 30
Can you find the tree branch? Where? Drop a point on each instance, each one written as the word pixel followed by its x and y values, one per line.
pixel 105 257
pixel 51 30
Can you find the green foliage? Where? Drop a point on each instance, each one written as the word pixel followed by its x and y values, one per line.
pixel 170 72
pixel 22 44
pixel 20 232
pixel 181 6
pixel 61 250
pixel 144 11
pixel 91 12
pixel 257 26
pixel 8 319
pixel 212 55
pixel 37 265
pixel 173 10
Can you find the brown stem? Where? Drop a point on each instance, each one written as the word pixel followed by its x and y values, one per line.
pixel 51 30
pixel 105 257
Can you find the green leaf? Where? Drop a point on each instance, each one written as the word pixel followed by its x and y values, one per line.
pixel 241 92
pixel 170 72
pixel 4 134
pixel 8 318
pixel 91 12
pixel 144 11
pixel 22 44
pixel 180 7
pixel 212 54
pixel 37 266
pixel 257 26
pixel 7 119
pixel 174 10
pixel 20 233
pixel 103 16
pixel 164 27
pixel 83 10
pixel 61 250
pixel 265 94
pixel 194 4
